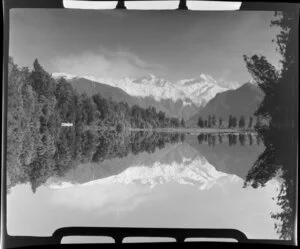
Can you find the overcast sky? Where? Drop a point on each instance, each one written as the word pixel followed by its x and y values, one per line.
pixel 170 44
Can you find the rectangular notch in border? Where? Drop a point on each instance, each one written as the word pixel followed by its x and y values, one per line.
pixel 154 5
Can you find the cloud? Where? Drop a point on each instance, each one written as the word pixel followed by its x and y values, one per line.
pixel 104 62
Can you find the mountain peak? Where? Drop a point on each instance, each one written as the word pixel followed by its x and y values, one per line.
pixel 63 75
pixel 151 79
pixel 197 90
pixel 207 78
pixel 150 76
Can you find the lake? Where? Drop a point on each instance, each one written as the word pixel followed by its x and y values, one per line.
pixel 147 180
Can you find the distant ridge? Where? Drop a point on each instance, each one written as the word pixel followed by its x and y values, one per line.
pixel 181 99
pixel 242 101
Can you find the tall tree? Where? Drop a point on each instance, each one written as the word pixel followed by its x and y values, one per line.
pixel 250 123
pixel 242 122
pixel 233 122
pixel 220 122
pixel 213 120
pixel 209 121
pixel 42 82
pixel 200 122
pixel 182 123
pixel 230 121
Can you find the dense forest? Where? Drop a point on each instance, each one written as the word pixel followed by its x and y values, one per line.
pixel 59 102
pixel 39 147
pixel 280 108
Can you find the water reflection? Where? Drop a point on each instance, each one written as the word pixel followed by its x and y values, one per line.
pixel 178 183
pixel 70 151
pixel 144 153
pixel 278 160
pixel 275 161
pixel 59 154
pixel 230 138
pixel 80 164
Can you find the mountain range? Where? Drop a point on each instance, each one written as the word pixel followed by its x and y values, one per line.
pixel 182 98
pixel 188 98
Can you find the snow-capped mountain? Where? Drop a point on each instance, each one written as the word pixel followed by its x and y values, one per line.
pixel 197 172
pixel 63 75
pixel 197 91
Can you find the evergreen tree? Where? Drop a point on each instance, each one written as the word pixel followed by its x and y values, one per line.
pixel 220 122
pixel 200 122
pixel 213 120
pixel 234 122
pixel 242 122
pixel 182 123
pixel 250 123
pixel 42 82
pixel 209 122
pixel 230 125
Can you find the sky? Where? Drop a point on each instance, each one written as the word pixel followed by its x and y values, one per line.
pixel 115 44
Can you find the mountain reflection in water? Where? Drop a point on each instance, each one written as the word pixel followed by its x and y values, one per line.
pixel 186 162
pixel 150 180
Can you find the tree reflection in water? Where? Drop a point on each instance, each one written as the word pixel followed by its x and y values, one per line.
pixel 232 139
pixel 278 158
pixel 73 147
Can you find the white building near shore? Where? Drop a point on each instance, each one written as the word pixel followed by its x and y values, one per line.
pixel 66 124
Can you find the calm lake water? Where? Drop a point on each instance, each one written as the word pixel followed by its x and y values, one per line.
pixel 184 181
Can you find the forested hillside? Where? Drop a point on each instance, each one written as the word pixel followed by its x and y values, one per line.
pixel 172 108
pixel 38 146
pixel 242 101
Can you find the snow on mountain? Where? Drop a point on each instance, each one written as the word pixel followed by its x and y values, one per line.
pixel 197 172
pixel 63 75
pixel 196 90
pixel 199 90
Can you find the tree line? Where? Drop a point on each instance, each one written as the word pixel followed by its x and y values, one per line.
pixel 233 122
pixel 38 147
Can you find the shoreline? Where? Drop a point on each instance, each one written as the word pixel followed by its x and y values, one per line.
pixel 176 130
pixel 194 130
